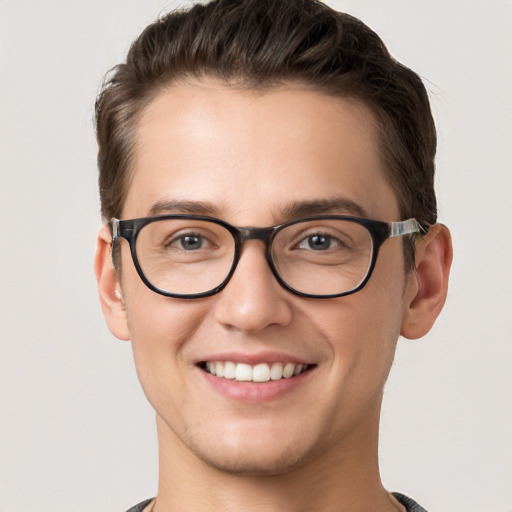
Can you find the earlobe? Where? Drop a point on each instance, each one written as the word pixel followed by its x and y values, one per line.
pixel 428 285
pixel 109 287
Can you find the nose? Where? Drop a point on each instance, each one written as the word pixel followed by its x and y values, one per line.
pixel 253 299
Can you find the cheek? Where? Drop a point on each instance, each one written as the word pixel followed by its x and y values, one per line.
pixel 160 332
pixel 158 325
pixel 362 329
pixel 357 333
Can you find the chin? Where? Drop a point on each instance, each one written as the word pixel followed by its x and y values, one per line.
pixel 258 449
pixel 246 463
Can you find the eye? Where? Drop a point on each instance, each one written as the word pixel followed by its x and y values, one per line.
pixel 189 242
pixel 319 242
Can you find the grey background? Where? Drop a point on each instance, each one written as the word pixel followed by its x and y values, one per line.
pixel 75 431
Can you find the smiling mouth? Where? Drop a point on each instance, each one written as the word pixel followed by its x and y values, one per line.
pixel 263 372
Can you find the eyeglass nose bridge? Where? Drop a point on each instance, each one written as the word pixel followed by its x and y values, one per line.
pixel 263 234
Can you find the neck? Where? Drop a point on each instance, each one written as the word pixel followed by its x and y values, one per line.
pixel 346 477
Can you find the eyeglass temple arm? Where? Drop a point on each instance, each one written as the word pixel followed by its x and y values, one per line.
pixel 406 227
pixel 114 224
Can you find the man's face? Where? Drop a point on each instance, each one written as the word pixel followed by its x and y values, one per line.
pixel 249 159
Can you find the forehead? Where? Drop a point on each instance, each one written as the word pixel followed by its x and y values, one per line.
pixel 251 154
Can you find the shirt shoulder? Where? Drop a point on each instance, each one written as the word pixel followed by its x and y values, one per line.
pixel 140 507
pixel 409 504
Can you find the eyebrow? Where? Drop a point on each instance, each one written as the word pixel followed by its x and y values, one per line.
pixel 294 210
pixel 190 207
pixel 333 205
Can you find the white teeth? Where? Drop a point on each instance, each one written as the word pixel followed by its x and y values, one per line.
pixel 243 372
pixel 276 372
pixel 219 369
pixel 229 370
pixel 262 372
pixel 288 370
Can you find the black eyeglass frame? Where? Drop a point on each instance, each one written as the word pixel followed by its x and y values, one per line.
pixel 379 231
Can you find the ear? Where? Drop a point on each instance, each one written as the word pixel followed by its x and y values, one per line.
pixel 109 286
pixel 427 285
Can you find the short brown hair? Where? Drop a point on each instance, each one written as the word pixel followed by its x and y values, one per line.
pixel 266 43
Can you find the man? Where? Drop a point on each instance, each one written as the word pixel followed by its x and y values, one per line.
pixel 266 177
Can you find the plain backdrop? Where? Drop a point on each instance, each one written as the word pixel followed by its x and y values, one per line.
pixel 76 433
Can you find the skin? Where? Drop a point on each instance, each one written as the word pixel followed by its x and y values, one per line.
pixel 250 156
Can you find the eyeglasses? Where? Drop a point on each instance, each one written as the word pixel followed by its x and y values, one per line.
pixel 326 256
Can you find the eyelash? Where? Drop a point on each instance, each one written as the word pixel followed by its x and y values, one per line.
pixel 179 240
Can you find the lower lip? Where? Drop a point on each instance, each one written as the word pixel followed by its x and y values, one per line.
pixel 254 391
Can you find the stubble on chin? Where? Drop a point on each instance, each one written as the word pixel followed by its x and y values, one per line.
pixel 251 460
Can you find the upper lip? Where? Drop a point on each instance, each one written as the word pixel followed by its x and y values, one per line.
pixel 256 358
